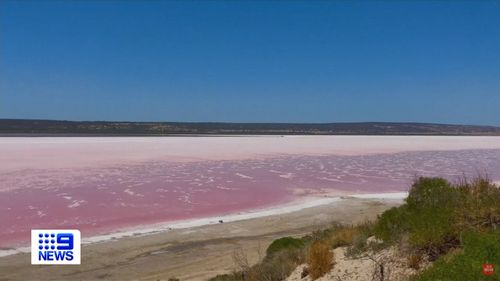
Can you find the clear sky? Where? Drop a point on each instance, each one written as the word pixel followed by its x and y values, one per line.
pixel 248 61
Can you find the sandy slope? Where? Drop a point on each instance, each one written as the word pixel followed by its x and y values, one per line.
pixel 365 267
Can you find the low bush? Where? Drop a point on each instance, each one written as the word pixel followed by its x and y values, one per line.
pixel 480 208
pixel 343 236
pixel 431 207
pixel 392 224
pixel 319 259
pixel 478 249
pixel 282 257
pixel 453 224
pixel 284 243
pixel 436 213
pixel 279 266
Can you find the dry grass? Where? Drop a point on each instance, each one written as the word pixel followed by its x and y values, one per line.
pixel 319 259
pixel 344 236
pixel 415 261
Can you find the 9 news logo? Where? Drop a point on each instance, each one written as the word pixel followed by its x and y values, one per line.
pixel 55 246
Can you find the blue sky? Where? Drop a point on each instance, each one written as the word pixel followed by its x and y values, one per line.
pixel 248 61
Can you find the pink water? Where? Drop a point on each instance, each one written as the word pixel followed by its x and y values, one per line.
pixel 99 197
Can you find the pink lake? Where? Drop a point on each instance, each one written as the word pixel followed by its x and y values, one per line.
pixel 100 185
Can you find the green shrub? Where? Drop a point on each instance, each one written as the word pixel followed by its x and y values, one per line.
pixel 480 209
pixel 433 230
pixel 279 266
pixel 430 193
pixel 478 248
pixel 284 243
pixel 282 257
pixel 359 241
pixel 428 217
pixel 392 224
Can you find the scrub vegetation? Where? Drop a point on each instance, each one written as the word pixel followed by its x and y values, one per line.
pixel 454 227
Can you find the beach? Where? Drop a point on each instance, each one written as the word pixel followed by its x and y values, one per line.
pixel 195 253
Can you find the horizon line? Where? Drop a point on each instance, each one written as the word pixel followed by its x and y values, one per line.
pixel 234 122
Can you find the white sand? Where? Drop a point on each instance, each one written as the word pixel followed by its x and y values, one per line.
pixel 388 196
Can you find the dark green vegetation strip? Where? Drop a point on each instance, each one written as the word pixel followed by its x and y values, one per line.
pixel 69 128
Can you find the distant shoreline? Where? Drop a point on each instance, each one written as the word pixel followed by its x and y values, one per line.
pixel 223 135
pixel 39 128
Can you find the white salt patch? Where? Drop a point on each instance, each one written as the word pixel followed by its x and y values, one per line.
pixel 286 176
pixel 243 176
pixel 276 172
pixel 329 179
pixel 129 192
pixel 394 195
pixel 225 188
pixel 76 203
pixel 4 253
pixel 184 198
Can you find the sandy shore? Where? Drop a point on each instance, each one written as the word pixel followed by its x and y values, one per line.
pixel 195 253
